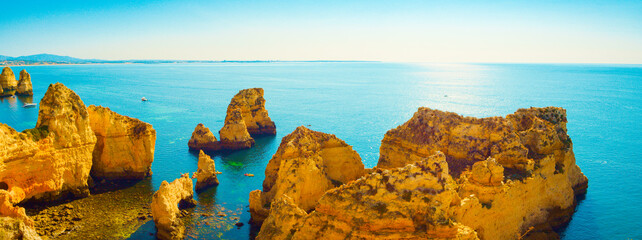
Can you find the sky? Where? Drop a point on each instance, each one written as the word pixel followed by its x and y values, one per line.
pixel 401 31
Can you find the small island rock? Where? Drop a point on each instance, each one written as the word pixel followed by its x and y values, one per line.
pixel 252 106
pixel 8 82
pixel 203 139
pixel 234 134
pixel 25 87
pixel 206 173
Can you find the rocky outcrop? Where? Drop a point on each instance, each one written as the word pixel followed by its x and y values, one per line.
pixel 25 87
pixel 14 222
pixel 286 217
pixel 252 107
pixel 166 205
pixel 306 165
pixel 413 202
pixel 125 146
pixel 203 139
pixel 54 159
pixel 206 173
pixel 234 134
pixel 513 173
pixel 8 82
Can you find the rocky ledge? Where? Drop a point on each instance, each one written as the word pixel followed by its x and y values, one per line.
pixel 166 205
pixel 443 176
pixel 125 146
pixel 206 173
pixel 14 222
pixel 306 165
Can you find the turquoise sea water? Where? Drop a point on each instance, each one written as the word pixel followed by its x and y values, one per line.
pixel 359 102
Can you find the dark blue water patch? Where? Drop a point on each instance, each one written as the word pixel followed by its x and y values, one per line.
pixel 359 102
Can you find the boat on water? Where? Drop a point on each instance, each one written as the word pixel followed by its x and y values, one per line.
pixel 29 105
pixel 143 99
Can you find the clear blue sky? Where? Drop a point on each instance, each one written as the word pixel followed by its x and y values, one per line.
pixel 421 31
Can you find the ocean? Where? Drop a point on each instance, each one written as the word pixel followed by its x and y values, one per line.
pixel 359 102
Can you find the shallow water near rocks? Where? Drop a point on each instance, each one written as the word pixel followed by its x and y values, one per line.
pixel 358 102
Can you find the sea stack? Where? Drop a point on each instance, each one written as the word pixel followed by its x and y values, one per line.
pixel 25 87
pixel 125 146
pixel 234 134
pixel 53 159
pixel 8 82
pixel 206 173
pixel 203 139
pixel 306 165
pixel 166 205
pixel 252 107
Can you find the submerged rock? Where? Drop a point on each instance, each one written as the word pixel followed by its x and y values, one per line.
pixel 206 173
pixel 53 159
pixel 166 205
pixel 306 165
pixel 125 146
pixel 8 82
pixel 514 173
pixel 252 107
pixel 234 134
pixel 203 139
pixel 25 87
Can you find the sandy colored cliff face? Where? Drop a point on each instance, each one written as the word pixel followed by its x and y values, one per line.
pixel 234 134
pixel 53 159
pixel 8 82
pixel 203 139
pixel 25 87
pixel 206 173
pixel 165 207
pixel 252 106
pixel 306 165
pixel 124 147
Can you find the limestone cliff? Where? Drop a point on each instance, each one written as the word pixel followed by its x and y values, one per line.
pixel 53 159
pixel 203 139
pixel 305 166
pixel 286 217
pixel 165 207
pixel 8 82
pixel 514 173
pixel 234 134
pixel 124 147
pixel 25 87
pixel 14 222
pixel 252 106
pixel 206 173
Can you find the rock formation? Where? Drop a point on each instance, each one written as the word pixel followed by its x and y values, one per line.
pixel 24 85
pixel 206 173
pixel 413 202
pixel 124 147
pixel 234 134
pixel 8 82
pixel 54 159
pixel 14 222
pixel 252 106
pixel 203 139
pixel 306 165
pixel 514 173
pixel 287 216
pixel 166 204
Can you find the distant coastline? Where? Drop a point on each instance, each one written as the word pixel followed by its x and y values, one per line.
pixel 51 59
